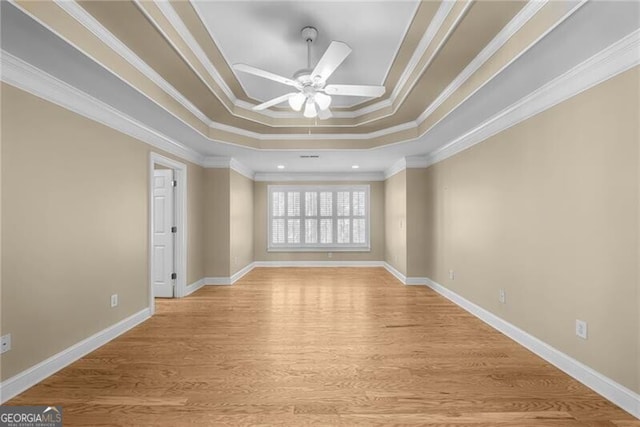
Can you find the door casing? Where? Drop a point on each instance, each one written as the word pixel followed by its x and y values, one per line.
pixel 180 220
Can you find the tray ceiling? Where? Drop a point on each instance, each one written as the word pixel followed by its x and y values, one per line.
pixel 267 35
pixel 436 60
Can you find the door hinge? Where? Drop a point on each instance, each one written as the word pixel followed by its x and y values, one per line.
pixel 174 276
pixel 174 229
pixel 174 183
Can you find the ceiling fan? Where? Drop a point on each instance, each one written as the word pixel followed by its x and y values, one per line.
pixel 313 91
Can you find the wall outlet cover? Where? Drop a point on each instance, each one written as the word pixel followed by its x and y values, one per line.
pixel 502 296
pixel 5 343
pixel 582 329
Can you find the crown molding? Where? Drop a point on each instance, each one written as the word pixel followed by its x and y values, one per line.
pixel 219 162
pixel 242 169
pixel 409 162
pixel 320 176
pixel 416 162
pixel 525 15
pixel 312 136
pixel 280 114
pixel 434 27
pixel 97 29
pixel 398 166
pixel 169 12
pixel 28 78
pixel 617 58
pixel 527 12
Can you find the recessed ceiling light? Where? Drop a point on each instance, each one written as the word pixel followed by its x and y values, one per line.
pixel 355 167
pixel 280 166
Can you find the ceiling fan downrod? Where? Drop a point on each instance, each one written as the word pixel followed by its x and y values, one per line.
pixel 309 35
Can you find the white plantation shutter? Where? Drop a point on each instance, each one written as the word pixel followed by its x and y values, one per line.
pixel 311 203
pixel 277 213
pixel 293 203
pixel 359 220
pixel 343 230
pixel 326 203
pixel 359 231
pixel 343 203
pixel 326 231
pixel 318 217
pixel 311 231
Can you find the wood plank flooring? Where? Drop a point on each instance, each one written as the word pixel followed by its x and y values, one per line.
pixel 325 346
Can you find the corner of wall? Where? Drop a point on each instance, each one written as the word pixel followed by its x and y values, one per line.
pixel 395 218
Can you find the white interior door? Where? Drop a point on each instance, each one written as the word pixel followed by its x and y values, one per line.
pixel 163 237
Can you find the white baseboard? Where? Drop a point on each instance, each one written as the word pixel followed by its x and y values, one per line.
pixel 237 276
pixel 416 281
pixel 193 287
pixel 401 277
pixel 404 279
pixel 15 385
pixel 226 281
pixel 319 264
pixel 608 388
pixel 217 281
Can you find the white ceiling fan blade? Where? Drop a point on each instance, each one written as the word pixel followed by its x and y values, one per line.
pixel 274 101
pixel 355 90
pixel 265 74
pixel 325 114
pixel 332 58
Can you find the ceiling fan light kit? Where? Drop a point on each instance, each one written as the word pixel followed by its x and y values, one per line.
pixel 313 92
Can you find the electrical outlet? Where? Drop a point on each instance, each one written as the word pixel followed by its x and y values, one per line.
pixel 502 296
pixel 114 300
pixel 581 329
pixel 452 275
pixel 5 343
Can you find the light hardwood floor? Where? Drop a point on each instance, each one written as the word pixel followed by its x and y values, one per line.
pixel 326 346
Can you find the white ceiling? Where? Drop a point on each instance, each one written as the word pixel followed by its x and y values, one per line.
pixel 267 35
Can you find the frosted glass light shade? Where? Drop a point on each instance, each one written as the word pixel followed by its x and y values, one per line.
pixel 310 108
pixel 296 101
pixel 323 100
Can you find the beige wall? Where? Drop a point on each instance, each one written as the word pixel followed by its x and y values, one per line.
pixel 1 315
pixel 195 223
pixel 75 227
pixel 241 220
pixel 549 211
pixel 417 209
pixel 377 227
pixel 395 229
pixel 217 223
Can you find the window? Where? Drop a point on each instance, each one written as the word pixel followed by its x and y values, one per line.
pixel 324 218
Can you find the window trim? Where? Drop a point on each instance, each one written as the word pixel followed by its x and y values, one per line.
pixel 318 247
